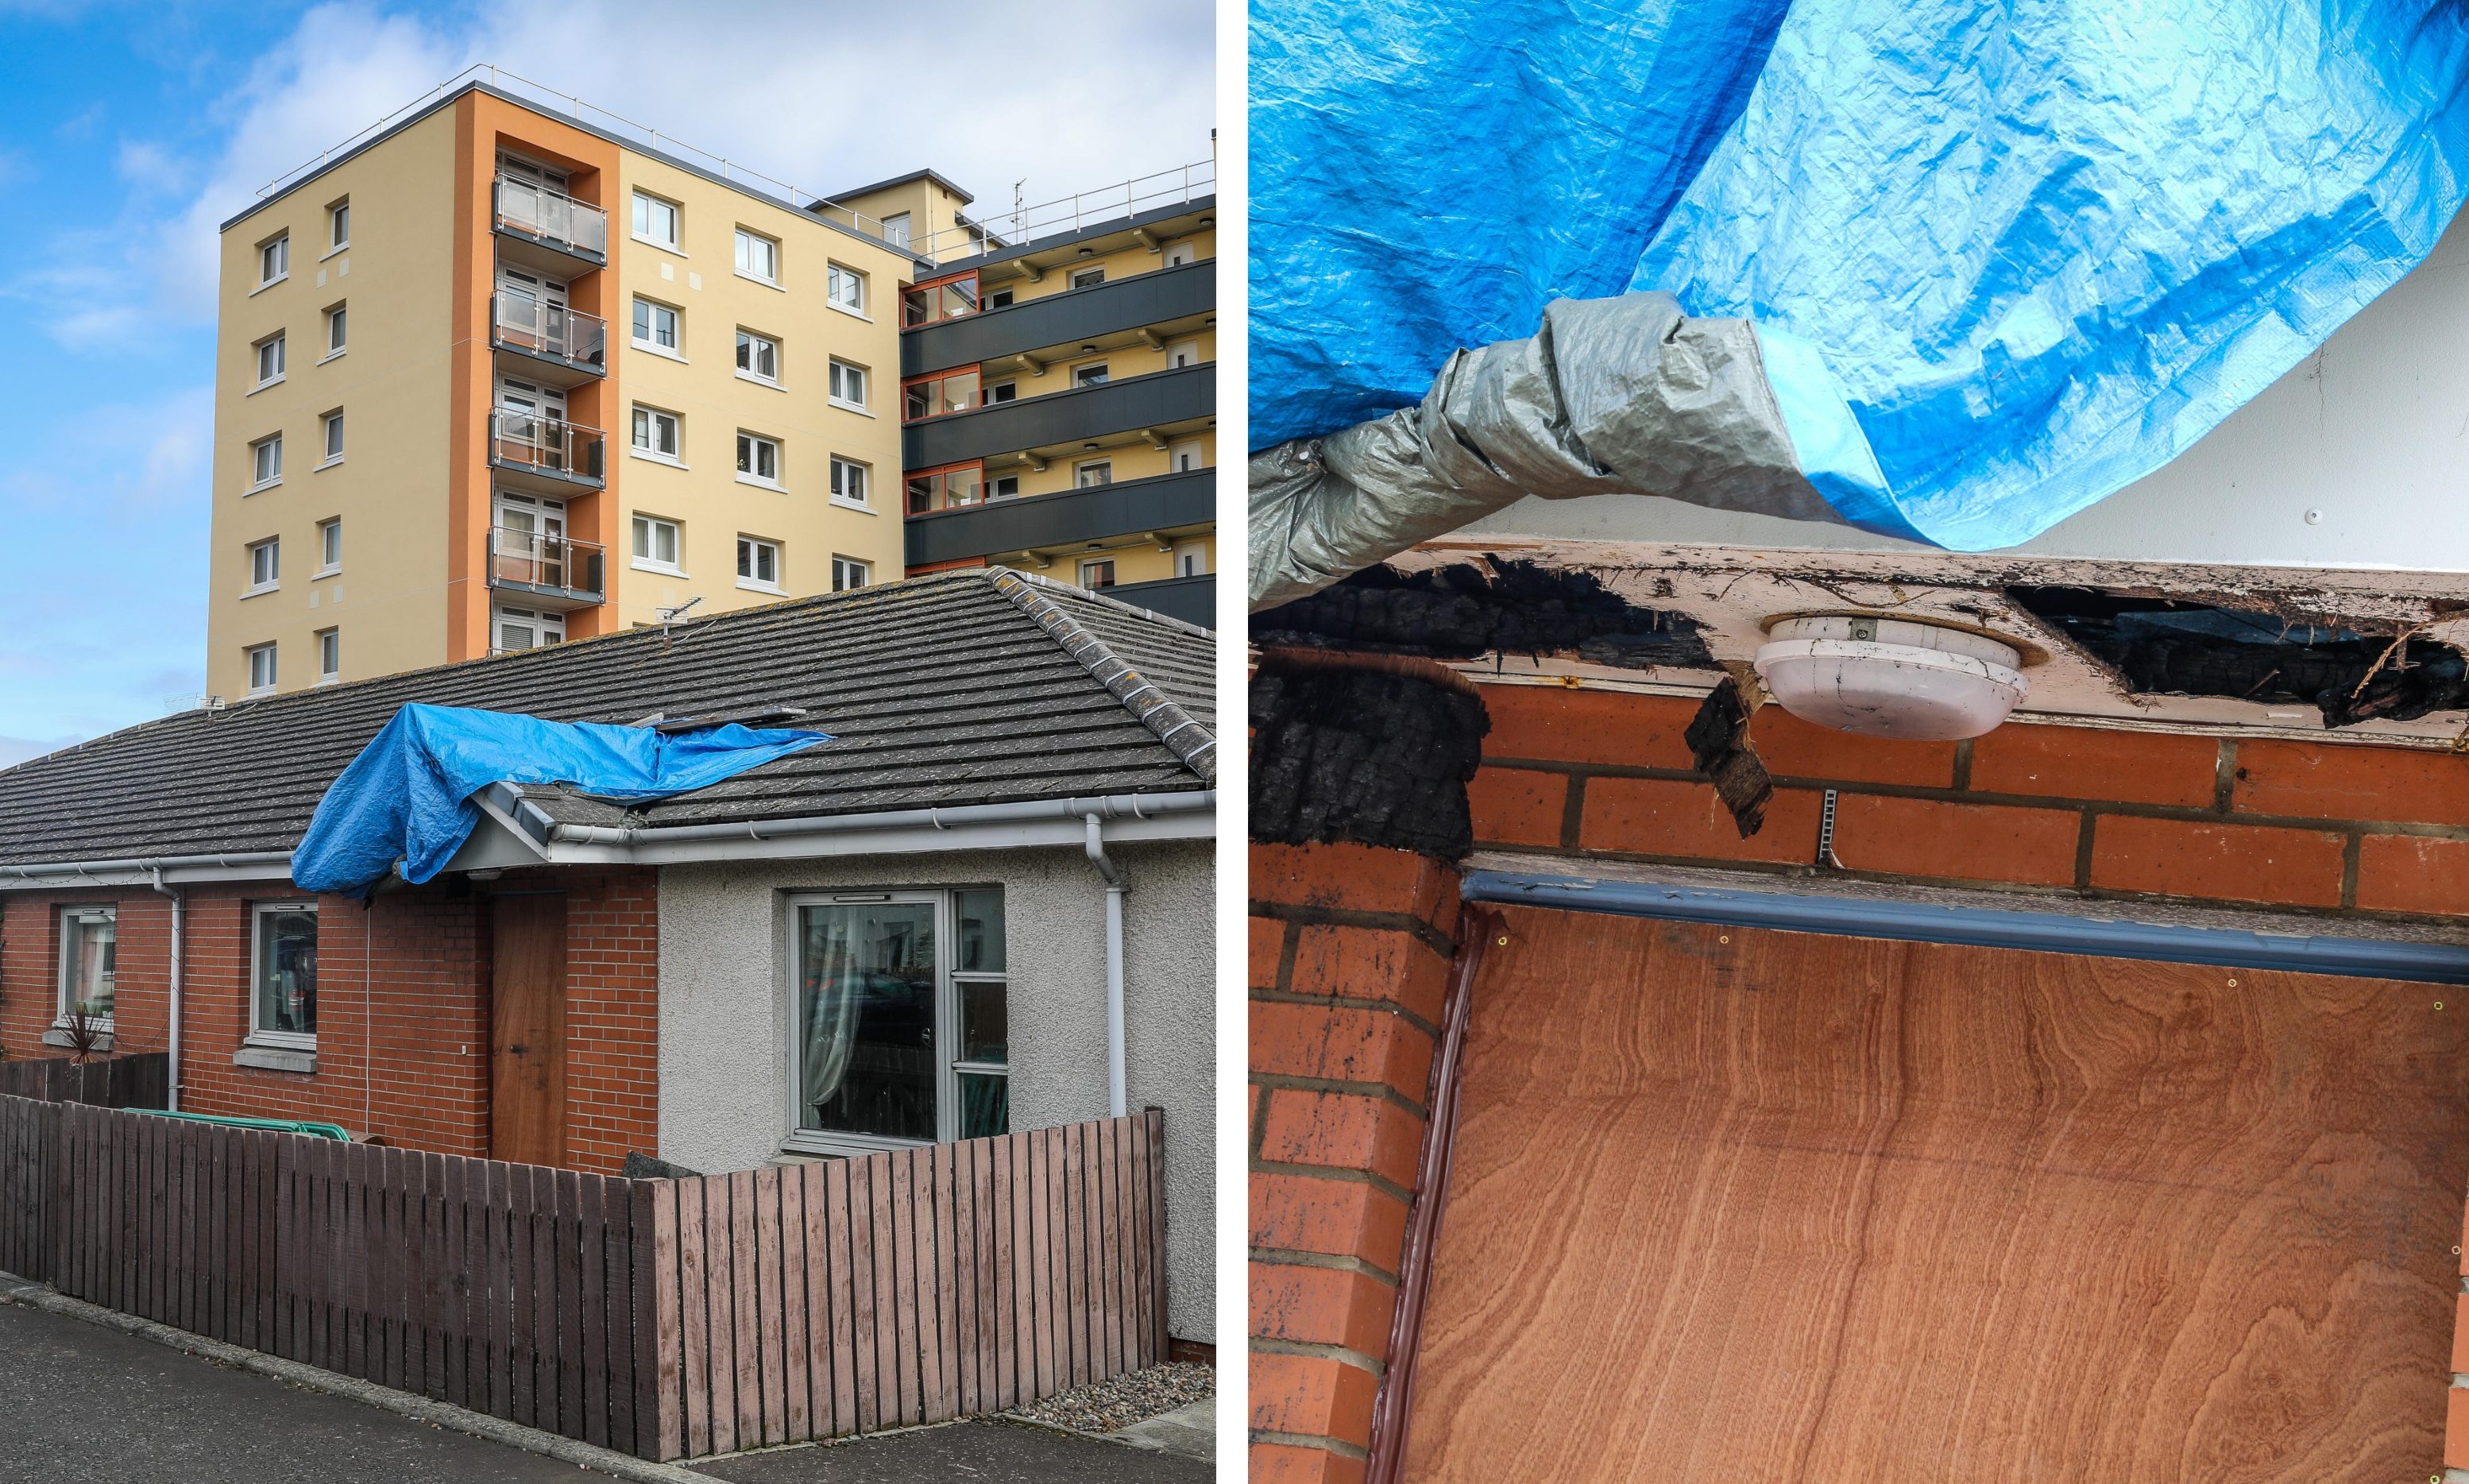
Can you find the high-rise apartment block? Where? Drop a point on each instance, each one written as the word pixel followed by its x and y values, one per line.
pixel 494 376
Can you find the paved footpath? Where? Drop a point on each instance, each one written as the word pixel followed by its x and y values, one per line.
pixel 91 1405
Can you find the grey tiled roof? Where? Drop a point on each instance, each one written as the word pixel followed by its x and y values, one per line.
pixel 941 691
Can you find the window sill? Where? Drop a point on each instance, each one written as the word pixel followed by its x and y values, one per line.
pixel 760 380
pixel 262 385
pixel 268 284
pixel 324 573
pixel 329 680
pixel 671 248
pixel 262 484
pixel 773 485
pixel 655 458
pixel 849 406
pixel 771 587
pixel 661 568
pixel 858 505
pixel 331 252
pixel 327 463
pixel 850 313
pixel 254 692
pixel 276 1059
pixel 648 348
pixel 58 1036
pixel 807 1141
pixel 261 590
pixel 771 284
pixel 332 355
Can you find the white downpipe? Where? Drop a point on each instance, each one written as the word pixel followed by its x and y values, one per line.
pixel 179 901
pixel 1115 886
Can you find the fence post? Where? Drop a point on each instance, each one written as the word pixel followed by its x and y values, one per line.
pixel 1155 1118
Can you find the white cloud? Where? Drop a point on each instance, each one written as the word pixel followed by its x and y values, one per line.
pixel 824 97
pixel 126 463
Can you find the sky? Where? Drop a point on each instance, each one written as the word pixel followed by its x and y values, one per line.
pixel 129 130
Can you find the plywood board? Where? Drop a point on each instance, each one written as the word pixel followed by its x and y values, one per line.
pixel 1740 1205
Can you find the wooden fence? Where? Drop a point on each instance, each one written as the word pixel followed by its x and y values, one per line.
pixel 665 1318
pixel 133 1081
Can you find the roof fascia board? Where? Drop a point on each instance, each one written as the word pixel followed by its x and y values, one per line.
pixel 571 122
pixel 897 839
pixel 186 870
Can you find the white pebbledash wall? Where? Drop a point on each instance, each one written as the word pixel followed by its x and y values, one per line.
pixel 2368 433
pixel 724 1011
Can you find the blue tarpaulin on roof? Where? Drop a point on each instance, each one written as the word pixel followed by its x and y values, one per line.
pixel 406 798
pixel 2024 252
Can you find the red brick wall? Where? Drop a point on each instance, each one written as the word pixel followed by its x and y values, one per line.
pixel 1349 951
pixel 2333 826
pixel 403 1007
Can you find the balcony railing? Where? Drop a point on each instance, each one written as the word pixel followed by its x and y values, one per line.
pixel 552 215
pixel 540 562
pixel 1074 213
pixel 528 323
pixel 545 444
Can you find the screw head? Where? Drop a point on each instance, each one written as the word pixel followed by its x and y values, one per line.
pixel 1503 941
pixel 2315 518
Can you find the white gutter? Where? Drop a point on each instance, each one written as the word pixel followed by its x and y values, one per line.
pixel 1115 886
pixel 178 942
pixel 924 825
pixel 152 871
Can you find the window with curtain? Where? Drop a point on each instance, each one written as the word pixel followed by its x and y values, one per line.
pixel 284 955
pixel 89 954
pixel 901 1018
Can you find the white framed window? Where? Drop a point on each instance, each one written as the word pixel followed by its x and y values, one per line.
pixel 338 225
pixel 261 669
pixel 845 289
pixel 1088 278
pixel 658 434
pixel 758 459
pixel 1178 254
pixel 848 386
pixel 329 656
pixel 1181 354
pixel 1186 456
pixel 274 259
pixel 330 548
pixel 758 356
pixel 1097 572
pixel 1090 472
pixel 332 424
pixel 1191 558
pixel 900 1018
pixel 1002 391
pixel 895 229
pixel 850 480
pixel 1004 487
pixel 89 960
pixel 850 572
pixel 656 220
pixel 337 329
pixel 758 564
pixel 266 463
pixel 270 359
pixel 1000 298
pixel 265 566
pixel 523 628
pixel 659 543
pixel 1092 374
pixel 283 974
pixel 655 326
pixel 758 257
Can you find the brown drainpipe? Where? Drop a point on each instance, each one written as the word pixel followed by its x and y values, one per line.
pixel 1478 929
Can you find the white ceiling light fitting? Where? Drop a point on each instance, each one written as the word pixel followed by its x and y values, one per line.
pixel 1891 677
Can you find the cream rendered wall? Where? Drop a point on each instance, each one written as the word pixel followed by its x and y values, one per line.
pixel 702 386
pixel 1120 263
pixel 934 214
pixel 391 384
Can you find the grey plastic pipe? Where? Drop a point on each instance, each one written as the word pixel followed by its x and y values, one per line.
pixel 1115 886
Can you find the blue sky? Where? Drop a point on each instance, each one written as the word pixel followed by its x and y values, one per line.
pixel 127 131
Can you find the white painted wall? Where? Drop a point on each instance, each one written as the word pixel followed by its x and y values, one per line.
pixel 724 1011
pixel 2372 431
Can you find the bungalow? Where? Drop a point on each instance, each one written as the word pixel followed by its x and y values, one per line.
pixel 984 905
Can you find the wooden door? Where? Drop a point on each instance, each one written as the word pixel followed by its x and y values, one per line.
pixel 527 1030
pixel 1738 1205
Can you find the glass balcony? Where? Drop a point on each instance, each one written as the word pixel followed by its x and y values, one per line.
pixel 550 447
pixel 544 566
pixel 552 217
pixel 932 303
pixel 528 323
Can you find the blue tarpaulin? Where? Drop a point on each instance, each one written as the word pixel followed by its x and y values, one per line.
pixel 408 797
pixel 2026 252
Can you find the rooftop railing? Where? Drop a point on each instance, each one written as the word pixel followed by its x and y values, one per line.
pixel 1070 213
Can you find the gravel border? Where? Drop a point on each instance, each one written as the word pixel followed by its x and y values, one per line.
pixel 1111 1405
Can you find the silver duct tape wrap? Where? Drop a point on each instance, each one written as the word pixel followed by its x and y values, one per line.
pixel 1624 396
